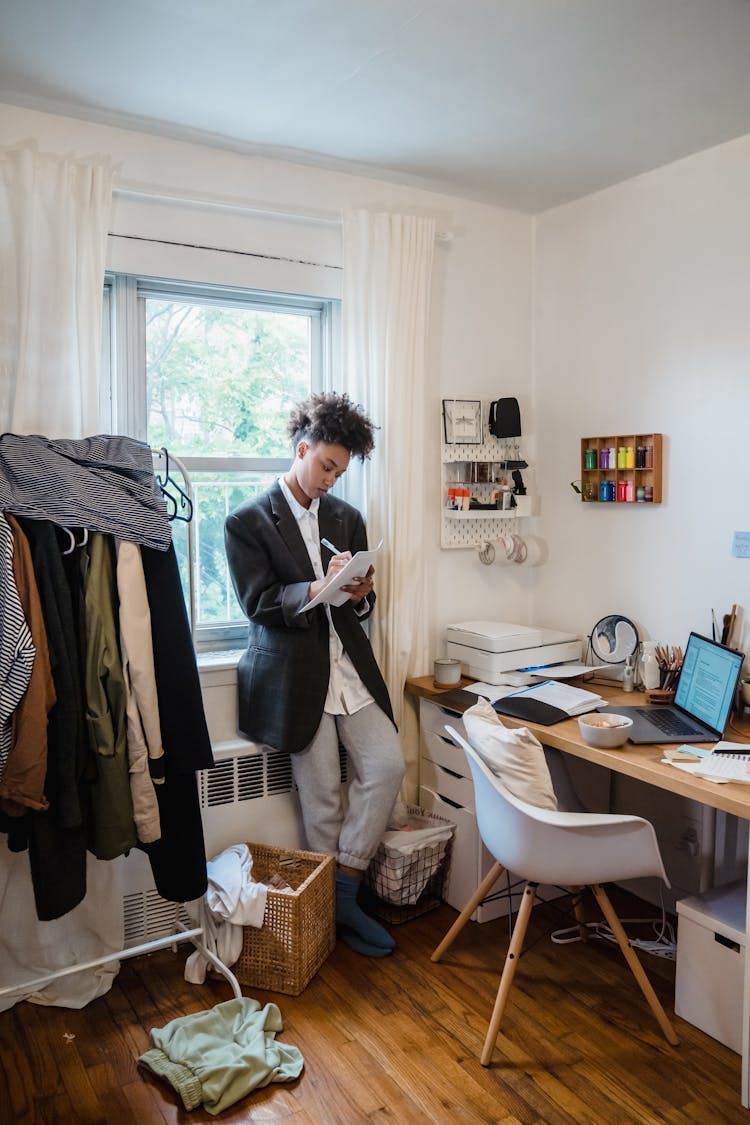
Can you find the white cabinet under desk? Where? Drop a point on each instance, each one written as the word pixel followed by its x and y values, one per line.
pixel 446 788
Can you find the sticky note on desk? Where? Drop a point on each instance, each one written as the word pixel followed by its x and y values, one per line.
pixel 694 752
pixel 678 754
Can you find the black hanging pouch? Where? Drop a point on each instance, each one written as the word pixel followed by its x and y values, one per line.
pixel 505 418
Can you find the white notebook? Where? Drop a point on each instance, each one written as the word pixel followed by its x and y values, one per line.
pixel 576 701
pixel 718 767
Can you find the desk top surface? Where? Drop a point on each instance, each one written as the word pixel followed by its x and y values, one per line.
pixel 642 762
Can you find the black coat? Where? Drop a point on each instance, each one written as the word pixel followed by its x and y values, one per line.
pixel 283 675
pixel 178 859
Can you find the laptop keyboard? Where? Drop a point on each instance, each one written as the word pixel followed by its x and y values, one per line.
pixel 666 721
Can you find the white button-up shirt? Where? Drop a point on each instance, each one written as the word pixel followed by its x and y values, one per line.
pixel 346 692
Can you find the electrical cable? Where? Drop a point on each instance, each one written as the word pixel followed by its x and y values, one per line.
pixel 663 945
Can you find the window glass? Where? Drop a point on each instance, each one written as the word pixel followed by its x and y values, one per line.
pixel 215 495
pixel 221 381
pixel 211 375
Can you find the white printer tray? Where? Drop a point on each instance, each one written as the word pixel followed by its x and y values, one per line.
pixel 489 666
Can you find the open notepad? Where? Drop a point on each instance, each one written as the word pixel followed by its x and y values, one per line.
pixel 547 703
pixel 728 761
pixel 332 594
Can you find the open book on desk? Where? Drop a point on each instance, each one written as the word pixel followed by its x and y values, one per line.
pixel 332 594
pixel 547 703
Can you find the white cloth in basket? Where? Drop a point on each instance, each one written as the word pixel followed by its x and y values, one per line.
pixel 407 841
pixel 232 900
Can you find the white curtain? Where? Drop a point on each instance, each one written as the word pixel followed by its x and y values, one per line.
pixel 387 272
pixel 54 218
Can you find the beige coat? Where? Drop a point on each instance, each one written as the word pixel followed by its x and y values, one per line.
pixel 145 750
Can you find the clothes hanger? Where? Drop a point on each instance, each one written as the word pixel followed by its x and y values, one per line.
pixel 73 543
pixel 167 481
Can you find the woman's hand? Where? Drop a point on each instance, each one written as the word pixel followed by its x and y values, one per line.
pixel 359 588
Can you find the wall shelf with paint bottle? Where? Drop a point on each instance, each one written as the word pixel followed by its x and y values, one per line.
pixel 487 483
pixel 622 469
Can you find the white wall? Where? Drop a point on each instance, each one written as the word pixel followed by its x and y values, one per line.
pixel 481 318
pixel 641 324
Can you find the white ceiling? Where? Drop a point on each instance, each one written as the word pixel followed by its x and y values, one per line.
pixel 523 103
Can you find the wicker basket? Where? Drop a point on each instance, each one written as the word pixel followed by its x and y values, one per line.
pixel 398 888
pixel 299 928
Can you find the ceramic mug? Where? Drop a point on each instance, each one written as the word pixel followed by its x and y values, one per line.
pixel 446 671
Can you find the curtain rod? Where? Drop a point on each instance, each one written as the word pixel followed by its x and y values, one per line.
pixel 134 190
pixel 222 250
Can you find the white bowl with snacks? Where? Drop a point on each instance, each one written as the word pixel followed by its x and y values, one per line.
pixel 606 732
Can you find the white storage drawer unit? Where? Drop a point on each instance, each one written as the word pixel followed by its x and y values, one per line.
pixel 446 788
pixel 711 943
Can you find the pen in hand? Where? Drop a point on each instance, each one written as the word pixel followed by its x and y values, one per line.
pixel 327 543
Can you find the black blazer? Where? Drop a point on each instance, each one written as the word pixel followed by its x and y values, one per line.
pixel 283 675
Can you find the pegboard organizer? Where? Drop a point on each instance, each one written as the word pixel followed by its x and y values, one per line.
pixel 473 529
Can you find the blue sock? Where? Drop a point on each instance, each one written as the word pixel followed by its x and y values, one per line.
pixel 354 941
pixel 350 915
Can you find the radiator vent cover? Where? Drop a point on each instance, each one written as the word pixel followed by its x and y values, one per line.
pixel 147 916
pixel 238 776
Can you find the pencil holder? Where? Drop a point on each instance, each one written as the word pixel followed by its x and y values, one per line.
pixel 659 695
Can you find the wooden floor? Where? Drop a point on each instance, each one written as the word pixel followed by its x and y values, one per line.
pixel 393 1041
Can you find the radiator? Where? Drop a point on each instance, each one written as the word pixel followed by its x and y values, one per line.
pixel 248 796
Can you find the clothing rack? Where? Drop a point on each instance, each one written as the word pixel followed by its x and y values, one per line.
pixel 183 510
pixel 183 934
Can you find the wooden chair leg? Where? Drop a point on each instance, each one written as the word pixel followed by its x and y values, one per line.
pixel 580 913
pixel 637 969
pixel 509 970
pixel 481 892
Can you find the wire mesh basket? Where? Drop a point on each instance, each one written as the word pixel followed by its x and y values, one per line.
pixel 398 887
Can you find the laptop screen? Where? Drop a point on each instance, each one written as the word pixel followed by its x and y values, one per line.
pixel 708 681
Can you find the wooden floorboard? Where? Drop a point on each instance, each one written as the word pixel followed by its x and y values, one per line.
pixel 394 1042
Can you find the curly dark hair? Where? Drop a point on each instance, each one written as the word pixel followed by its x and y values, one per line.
pixel 334 419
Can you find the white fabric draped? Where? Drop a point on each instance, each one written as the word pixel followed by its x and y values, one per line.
pixel 387 274
pixel 54 218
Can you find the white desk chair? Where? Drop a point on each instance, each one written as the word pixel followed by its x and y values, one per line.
pixel 559 848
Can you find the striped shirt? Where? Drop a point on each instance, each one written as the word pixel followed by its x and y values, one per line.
pixel 104 483
pixel 17 649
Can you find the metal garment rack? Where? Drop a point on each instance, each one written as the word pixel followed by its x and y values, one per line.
pixel 194 934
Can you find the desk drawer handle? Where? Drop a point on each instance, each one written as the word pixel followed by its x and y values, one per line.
pixel 727 942
pixel 450 772
pixel 449 801
pixel 449 742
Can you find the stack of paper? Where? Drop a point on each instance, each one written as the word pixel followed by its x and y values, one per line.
pixel 572 700
pixel 728 761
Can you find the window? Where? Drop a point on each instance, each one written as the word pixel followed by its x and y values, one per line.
pixel 211 374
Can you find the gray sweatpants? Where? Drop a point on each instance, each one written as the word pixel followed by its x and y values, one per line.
pixel 353 829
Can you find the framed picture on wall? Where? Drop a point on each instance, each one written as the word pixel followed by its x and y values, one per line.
pixel 462 421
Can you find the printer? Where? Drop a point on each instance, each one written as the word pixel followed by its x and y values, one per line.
pixel 487 649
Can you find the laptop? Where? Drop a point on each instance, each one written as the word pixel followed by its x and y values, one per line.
pixel 703 699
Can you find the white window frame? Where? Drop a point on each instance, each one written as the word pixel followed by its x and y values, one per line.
pixel 124 401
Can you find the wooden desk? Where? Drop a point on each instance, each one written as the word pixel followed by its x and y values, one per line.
pixel 643 763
